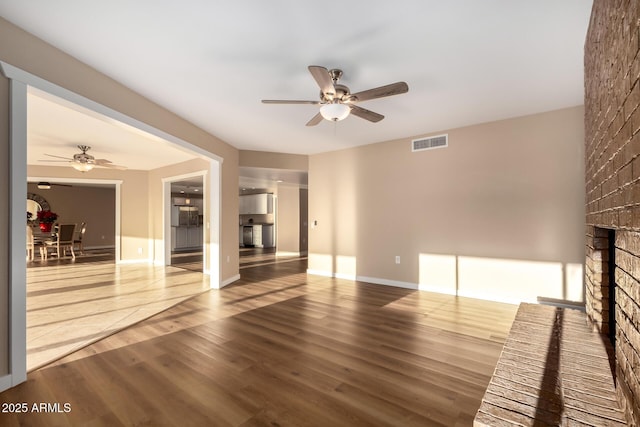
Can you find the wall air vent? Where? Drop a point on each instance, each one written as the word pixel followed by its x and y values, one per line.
pixel 440 141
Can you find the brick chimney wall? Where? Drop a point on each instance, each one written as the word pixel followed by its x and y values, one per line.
pixel 612 138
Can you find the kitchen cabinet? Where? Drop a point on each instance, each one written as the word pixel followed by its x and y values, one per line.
pixel 256 204
pixel 257 236
pixel 186 237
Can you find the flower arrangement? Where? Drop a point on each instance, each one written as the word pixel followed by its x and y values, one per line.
pixel 47 217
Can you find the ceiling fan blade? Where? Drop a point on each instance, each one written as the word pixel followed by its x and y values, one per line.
pixel 324 80
pixel 363 113
pixel 286 101
pixel 59 157
pixel 315 120
pixel 110 166
pixel 104 163
pixel 382 91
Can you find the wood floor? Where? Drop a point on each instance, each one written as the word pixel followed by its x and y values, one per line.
pixel 281 348
pixel 72 303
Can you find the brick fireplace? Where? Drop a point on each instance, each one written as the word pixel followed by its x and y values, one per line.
pixel 612 151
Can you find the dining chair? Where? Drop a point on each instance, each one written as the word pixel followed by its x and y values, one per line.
pixel 63 241
pixel 79 237
pixel 32 244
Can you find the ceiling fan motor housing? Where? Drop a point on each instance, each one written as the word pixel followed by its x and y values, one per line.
pixel 83 158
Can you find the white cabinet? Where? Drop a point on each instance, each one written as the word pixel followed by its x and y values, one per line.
pixel 187 237
pixel 256 204
pixel 257 236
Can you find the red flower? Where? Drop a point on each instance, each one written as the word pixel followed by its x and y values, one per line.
pixel 47 216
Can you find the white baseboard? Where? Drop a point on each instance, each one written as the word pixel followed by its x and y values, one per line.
pixel 417 287
pixel 135 261
pixel 291 254
pixel 330 274
pixel 6 382
pixel 229 281
pixel 386 282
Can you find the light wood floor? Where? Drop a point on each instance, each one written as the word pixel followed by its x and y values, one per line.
pixel 70 305
pixel 281 348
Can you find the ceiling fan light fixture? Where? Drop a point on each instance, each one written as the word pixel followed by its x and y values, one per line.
pixel 335 112
pixel 82 167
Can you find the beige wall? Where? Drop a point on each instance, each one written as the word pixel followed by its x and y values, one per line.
pixel 288 220
pixel 134 204
pixel 499 214
pixel 31 54
pixel 77 204
pixel 304 221
pixel 264 159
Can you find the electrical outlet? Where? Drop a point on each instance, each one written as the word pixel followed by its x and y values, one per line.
pixel 228 258
pixel 397 259
pixel 139 250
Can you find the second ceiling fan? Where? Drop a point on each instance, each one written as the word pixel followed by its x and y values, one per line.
pixel 337 102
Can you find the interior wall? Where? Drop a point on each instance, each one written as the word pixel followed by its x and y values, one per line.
pixel 304 221
pixel 134 205
pixel 264 159
pixel 288 220
pixel 498 214
pixel 77 204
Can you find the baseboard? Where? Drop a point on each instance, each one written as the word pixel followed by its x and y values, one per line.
pixel 291 254
pixel 6 382
pixel 134 261
pixel 386 282
pixel 330 274
pixel 417 287
pixel 88 248
pixel 229 281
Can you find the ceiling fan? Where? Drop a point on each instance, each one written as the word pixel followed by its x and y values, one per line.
pixel 44 185
pixel 85 162
pixel 337 102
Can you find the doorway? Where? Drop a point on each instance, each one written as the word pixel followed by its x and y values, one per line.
pixel 20 83
pixel 187 206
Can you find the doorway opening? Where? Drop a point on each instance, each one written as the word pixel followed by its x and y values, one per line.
pixel 187 201
pixel 21 84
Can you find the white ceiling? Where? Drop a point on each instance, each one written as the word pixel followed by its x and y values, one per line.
pixel 56 127
pixel 465 61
